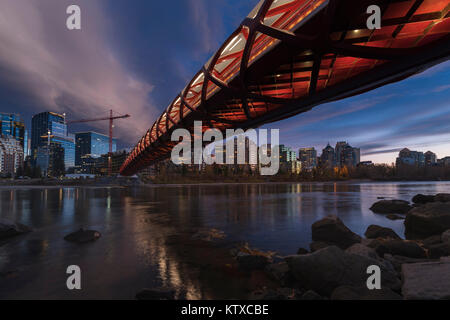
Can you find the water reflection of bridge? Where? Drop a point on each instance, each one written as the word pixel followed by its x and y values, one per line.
pixel 288 56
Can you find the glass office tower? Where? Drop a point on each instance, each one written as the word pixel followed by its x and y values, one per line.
pixel 12 125
pixel 91 145
pixel 46 122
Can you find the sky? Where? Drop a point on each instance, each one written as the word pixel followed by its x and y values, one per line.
pixel 135 56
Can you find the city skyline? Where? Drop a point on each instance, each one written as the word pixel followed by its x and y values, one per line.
pixel 67 73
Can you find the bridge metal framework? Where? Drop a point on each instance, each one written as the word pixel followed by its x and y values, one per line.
pixel 289 56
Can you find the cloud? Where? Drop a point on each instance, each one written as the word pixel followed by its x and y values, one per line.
pixel 76 72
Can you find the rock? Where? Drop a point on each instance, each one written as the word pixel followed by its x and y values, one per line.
pixel 325 270
pixel 398 261
pixel 431 241
pixel 391 206
pixel 9 230
pixel 426 281
pixel 332 230
pixel 279 272
pixel 445 237
pixel 156 294
pixel 374 232
pixel 302 251
pixel 317 245
pixel 310 295
pixel 439 250
pixel 442 197
pixel 362 293
pixel 394 217
pixel 249 262
pixel 278 294
pixel 362 250
pixel 400 247
pixel 427 220
pixel 83 236
pixel 422 199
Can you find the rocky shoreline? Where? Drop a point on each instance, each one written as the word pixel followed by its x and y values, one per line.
pixel 335 267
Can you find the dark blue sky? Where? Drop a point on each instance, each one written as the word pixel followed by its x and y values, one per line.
pixel 135 56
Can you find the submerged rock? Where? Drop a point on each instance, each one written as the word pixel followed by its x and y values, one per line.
pixel 9 230
pixel 83 236
pixel 362 293
pixel 391 206
pixel 325 270
pixel 426 281
pixel 427 220
pixel 332 230
pixel 374 232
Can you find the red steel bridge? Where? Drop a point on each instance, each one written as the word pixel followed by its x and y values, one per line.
pixel 289 56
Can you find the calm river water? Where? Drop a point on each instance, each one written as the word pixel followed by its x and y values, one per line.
pixel 138 225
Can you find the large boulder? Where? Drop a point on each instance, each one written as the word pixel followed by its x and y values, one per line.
pixel 280 272
pixel 325 270
pixel 362 293
pixel 83 236
pixel 426 281
pixel 317 245
pixel 391 206
pixel 439 250
pixel 9 230
pixel 427 220
pixel 403 248
pixel 333 231
pixel 398 261
pixel 374 232
pixel 422 199
pixel 442 197
pixel 362 250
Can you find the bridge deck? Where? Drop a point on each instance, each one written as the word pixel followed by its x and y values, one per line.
pixel 288 56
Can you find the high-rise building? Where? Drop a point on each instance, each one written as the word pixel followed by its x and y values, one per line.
pixel 50 159
pixel 308 158
pixel 430 158
pixel 12 125
pixel 412 158
pixel 91 145
pixel 328 157
pixel 11 155
pixel 346 155
pixel 49 122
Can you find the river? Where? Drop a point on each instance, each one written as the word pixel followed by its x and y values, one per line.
pixel 142 243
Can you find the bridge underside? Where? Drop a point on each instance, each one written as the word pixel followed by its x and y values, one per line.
pixel 288 56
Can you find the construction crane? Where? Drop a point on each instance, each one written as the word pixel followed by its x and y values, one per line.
pixel 111 119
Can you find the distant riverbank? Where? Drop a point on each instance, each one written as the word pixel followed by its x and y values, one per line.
pixel 130 182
